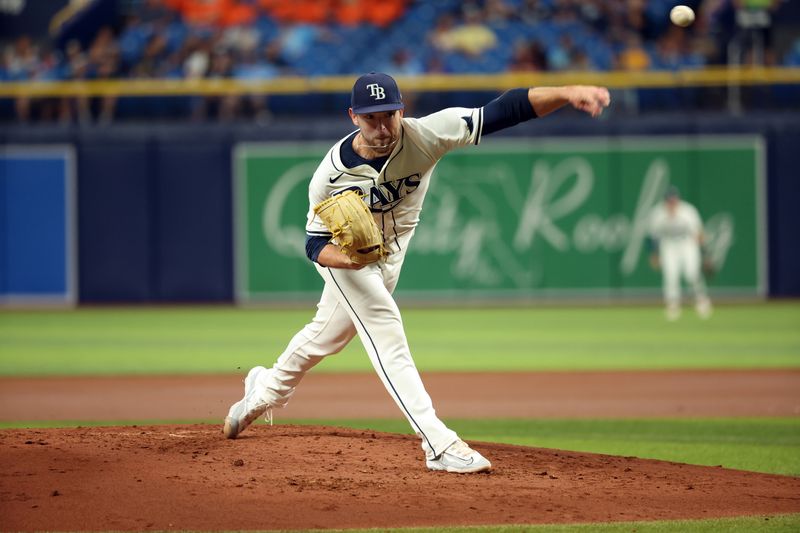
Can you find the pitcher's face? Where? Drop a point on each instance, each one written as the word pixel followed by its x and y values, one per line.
pixel 381 130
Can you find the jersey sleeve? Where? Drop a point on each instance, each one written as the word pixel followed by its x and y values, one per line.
pixel 654 224
pixel 695 220
pixel 450 128
pixel 318 190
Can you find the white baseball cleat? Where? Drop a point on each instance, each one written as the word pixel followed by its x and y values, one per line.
pixel 672 312
pixel 703 307
pixel 249 408
pixel 461 459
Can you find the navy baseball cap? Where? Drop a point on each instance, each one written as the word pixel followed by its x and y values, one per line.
pixel 375 92
pixel 672 192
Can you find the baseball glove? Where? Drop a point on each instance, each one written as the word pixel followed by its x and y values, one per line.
pixel 709 267
pixel 352 226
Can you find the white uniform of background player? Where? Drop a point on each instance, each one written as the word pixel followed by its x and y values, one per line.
pixel 390 159
pixel 678 229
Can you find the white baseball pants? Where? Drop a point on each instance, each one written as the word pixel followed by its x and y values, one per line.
pixel 681 259
pixel 360 301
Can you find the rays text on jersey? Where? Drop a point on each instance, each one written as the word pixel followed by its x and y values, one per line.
pixel 384 196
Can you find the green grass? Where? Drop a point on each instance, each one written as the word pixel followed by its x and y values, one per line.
pixel 227 339
pixel 770 445
pixel 776 523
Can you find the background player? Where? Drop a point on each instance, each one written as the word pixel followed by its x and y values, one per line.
pixel 677 228
pixel 389 159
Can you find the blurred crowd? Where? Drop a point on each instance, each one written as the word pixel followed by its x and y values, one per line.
pixel 264 39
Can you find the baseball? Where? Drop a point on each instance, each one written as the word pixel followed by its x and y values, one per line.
pixel 681 15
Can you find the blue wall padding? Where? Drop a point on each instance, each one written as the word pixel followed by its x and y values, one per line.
pixel 33 226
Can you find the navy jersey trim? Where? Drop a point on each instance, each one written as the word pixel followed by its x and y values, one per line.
pixel 479 131
pixel 394 229
pixel 351 159
pixel 345 170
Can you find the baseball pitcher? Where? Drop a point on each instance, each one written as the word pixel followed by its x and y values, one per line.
pixel 365 200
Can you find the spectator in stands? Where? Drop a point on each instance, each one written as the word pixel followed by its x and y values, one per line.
pixel 104 57
pixel 153 61
pixel 633 57
pixel 754 38
pixel 435 65
pixel 222 106
pixel 743 29
pixel 561 55
pixel 195 57
pixel 593 13
pixel 22 59
pixel 403 63
pixel 108 69
pixel 566 11
pixel 471 37
pixel 528 57
pixel 104 45
pixel 497 12
pixel 296 40
pixel 77 68
pixel 533 12
pixel 669 50
pixel 582 61
pixel 636 19
pixel 22 63
pixel 256 65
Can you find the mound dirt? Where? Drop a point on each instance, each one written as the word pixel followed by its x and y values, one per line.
pixel 302 477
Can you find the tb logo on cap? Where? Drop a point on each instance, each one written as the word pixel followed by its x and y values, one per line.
pixel 376 91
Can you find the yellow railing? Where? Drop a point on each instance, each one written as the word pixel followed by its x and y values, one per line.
pixel 430 82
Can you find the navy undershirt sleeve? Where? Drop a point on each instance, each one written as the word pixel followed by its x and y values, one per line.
pixel 314 245
pixel 508 109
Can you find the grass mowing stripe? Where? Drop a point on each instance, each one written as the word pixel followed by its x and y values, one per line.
pixel 772 524
pixel 229 339
pixel 770 445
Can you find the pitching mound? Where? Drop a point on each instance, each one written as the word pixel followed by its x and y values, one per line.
pixel 300 477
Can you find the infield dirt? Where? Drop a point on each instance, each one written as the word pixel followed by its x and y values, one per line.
pixel 187 477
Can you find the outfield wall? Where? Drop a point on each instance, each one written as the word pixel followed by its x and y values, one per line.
pixel 155 208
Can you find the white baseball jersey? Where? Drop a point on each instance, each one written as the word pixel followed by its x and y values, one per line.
pixel 396 193
pixel 679 250
pixel 681 226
